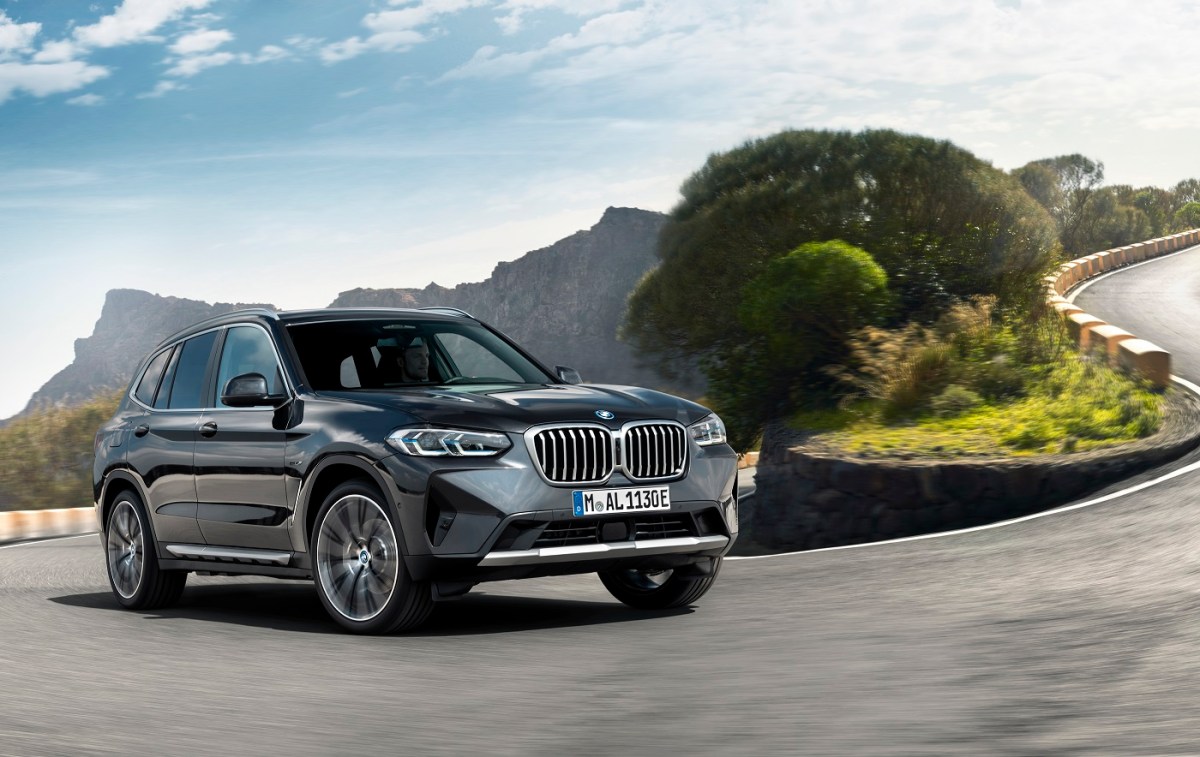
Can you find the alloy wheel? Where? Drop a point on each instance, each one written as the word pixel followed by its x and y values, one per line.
pixel 126 549
pixel 357 557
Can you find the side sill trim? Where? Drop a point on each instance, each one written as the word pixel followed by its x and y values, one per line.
pixel 603 551
pixel 202 552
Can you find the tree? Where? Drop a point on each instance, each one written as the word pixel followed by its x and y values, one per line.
pixel 1066 186
pixel 941 223
pixel 796 316
pixel 1187 217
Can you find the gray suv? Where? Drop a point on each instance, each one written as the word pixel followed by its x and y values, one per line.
pixel 397 458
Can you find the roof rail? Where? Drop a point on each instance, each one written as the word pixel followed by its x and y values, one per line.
pixel 221 318
pixel 447 310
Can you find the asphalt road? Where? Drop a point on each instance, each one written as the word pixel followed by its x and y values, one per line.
pixel 1074 633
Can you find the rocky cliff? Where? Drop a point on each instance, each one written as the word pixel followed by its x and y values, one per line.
pixel 131 323
pixel 563 303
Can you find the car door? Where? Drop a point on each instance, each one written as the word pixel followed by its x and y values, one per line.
pixel 242 500
pixel 162 445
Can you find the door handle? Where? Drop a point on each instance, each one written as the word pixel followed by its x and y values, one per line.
pixel 208 429
pixel 141 430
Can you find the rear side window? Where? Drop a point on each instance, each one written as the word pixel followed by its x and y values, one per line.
pixel 187 390
pixel 149 383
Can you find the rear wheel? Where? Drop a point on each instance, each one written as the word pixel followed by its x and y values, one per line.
pixel 657 589
pixel 358 569
pixel 137 581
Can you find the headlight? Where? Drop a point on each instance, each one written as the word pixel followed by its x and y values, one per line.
pixel 708 431
pixel 447 442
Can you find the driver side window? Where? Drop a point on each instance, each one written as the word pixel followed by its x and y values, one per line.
pixel 248 349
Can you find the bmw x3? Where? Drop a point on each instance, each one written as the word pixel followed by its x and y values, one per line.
pixel 397 458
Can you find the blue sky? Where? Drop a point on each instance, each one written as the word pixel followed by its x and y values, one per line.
pixel 240 150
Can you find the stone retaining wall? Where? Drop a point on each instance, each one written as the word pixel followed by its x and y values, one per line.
pixel 808 500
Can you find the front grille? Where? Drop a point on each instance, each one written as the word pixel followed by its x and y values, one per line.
pixel 574 455
pixel 654 451
pixel 661 528
pixel 566 533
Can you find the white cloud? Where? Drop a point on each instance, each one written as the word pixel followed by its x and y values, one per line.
pixel 201 41
pixel 14 37
pixel 89 99
pixel 194 64
pixel 266 54
pixel 56 52
pixel 134 21
pixel 514 11
pixel 41 79
pixel 773 63
pixel 396 30
pixel 162 88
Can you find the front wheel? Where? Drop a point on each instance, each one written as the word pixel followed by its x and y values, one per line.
pixel 137 581
pixel 358 569
pixel 657 589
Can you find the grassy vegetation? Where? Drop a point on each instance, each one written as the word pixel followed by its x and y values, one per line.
pixel 46 456
pixel 970 387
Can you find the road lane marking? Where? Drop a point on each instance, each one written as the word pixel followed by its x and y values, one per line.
pixel 46 539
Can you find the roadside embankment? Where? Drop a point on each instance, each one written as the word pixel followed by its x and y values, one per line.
pixel 808 498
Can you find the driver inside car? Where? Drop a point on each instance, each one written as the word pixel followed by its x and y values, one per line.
pixel 414 362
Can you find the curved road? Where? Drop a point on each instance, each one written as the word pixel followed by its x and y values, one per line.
pixel 1073 634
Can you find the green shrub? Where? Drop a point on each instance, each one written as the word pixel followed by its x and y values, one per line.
pixel 954 400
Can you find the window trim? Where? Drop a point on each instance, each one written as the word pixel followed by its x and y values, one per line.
pixel 210 373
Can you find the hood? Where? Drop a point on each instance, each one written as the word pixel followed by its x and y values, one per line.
pixel 515 408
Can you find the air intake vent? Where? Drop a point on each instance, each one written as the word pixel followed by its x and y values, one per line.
pixel 655 451
pixel 574 454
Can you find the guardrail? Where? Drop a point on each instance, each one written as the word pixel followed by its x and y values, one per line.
pixel 1121 349
pixel 36 524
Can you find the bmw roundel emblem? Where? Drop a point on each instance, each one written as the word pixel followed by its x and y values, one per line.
pixel 604 415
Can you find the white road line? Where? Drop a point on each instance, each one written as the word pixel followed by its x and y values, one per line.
pixel 49 538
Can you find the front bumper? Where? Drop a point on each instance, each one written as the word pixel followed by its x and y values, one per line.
pixel 504 521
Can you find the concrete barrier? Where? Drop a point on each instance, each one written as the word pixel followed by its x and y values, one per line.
pixel 36 524
pixel 1078 326
pixel 1145 359
pixel 1091 333
pixel 1103 340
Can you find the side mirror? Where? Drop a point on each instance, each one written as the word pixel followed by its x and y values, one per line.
pixel 568 375
pixel 249 390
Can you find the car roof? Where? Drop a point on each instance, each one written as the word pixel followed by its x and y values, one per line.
pixel 317 315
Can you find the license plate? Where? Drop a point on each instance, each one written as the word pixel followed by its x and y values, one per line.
pixel 613 501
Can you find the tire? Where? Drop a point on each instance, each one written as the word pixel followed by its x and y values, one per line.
pixel 131 558
pixel 358 568
pixel 657 590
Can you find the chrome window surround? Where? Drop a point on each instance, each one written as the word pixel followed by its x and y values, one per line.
pixel 278 360
pixel 616 449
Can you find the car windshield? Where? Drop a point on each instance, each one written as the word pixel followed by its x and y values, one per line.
pixel 396 352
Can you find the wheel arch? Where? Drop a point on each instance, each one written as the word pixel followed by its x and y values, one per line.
pixel 115 482
pixel 327 475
